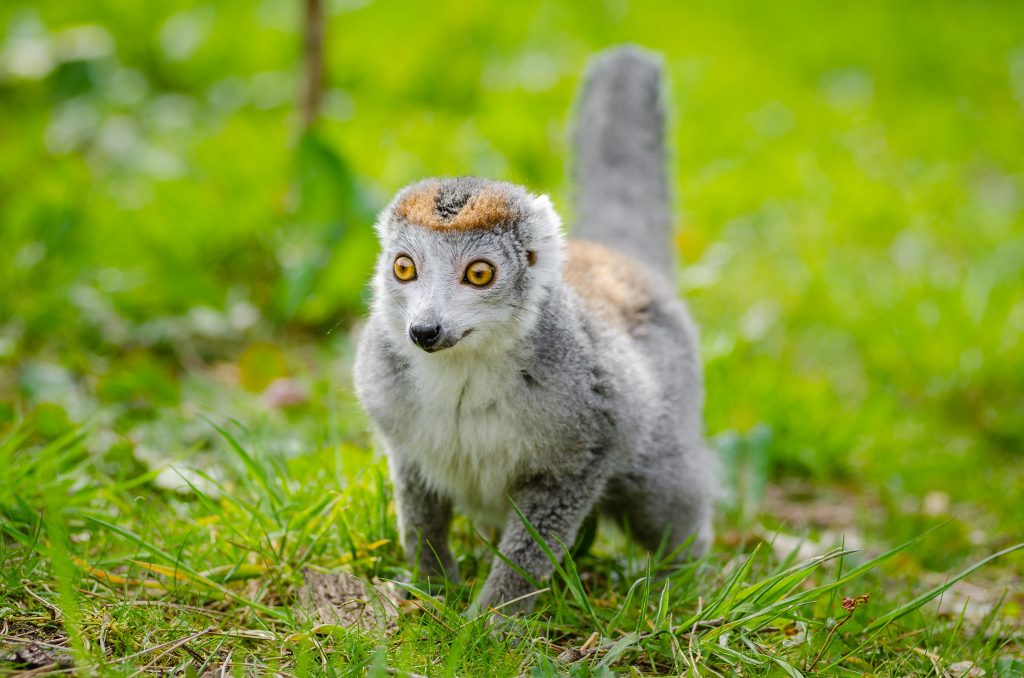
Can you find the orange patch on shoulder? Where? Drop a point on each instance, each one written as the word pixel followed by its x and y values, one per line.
pixel 484 210
pixel 610 284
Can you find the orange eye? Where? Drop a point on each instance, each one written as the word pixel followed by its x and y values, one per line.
pixel 405 270
pixel 479 273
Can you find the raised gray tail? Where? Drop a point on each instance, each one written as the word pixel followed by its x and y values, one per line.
pixel 622 194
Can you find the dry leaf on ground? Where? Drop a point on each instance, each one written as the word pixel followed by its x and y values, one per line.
pixel 340 599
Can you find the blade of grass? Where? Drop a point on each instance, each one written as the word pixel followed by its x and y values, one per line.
pixel 569 576
pixel 614 623
pixel 616 650
pixel 882 622
pixel 65 573
pixel 935 592
pixel 184 567
pixel 259 473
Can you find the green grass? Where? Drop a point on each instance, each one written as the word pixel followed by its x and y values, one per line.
pixel 851 194
pixel 136 582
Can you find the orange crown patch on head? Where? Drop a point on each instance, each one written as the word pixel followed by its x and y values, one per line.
pixel 483 210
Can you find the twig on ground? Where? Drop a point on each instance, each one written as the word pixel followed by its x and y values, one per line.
pixel 54 610
pixel 933 658
pixel 693 635
pixel 30 641
pixel 433 616
pixel 531 594
pixel 226 664
pixel 590 642
pixel 41 670
pixel 163 648
pixel 172 606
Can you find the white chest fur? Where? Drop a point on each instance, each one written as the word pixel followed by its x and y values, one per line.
pixel 465 434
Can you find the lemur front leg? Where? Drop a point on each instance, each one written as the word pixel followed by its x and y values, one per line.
pixel 556 506
pixel 424 517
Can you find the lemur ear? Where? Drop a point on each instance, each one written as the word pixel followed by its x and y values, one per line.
pixel 385 223
pixel 544 239
pixel 382 226
pixel 544 223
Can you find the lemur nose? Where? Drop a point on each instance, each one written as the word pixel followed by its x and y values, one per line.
pixel 425 336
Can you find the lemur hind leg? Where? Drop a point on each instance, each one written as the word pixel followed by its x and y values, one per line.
pixel 667 507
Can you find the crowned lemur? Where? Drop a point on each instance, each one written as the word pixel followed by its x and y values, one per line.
pixel 503 364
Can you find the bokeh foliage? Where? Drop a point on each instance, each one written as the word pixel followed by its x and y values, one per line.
pixel 849 179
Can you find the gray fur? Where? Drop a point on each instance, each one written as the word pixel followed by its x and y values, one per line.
pixel 622 192
pixel 536 397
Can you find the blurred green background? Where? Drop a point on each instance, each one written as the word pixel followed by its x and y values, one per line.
pixel 850 183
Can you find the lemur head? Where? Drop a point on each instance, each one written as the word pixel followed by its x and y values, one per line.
pixel 465 261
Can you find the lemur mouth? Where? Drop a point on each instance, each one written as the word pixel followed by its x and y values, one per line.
pixel 441 347
pixel 436 342
pixel 447 342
